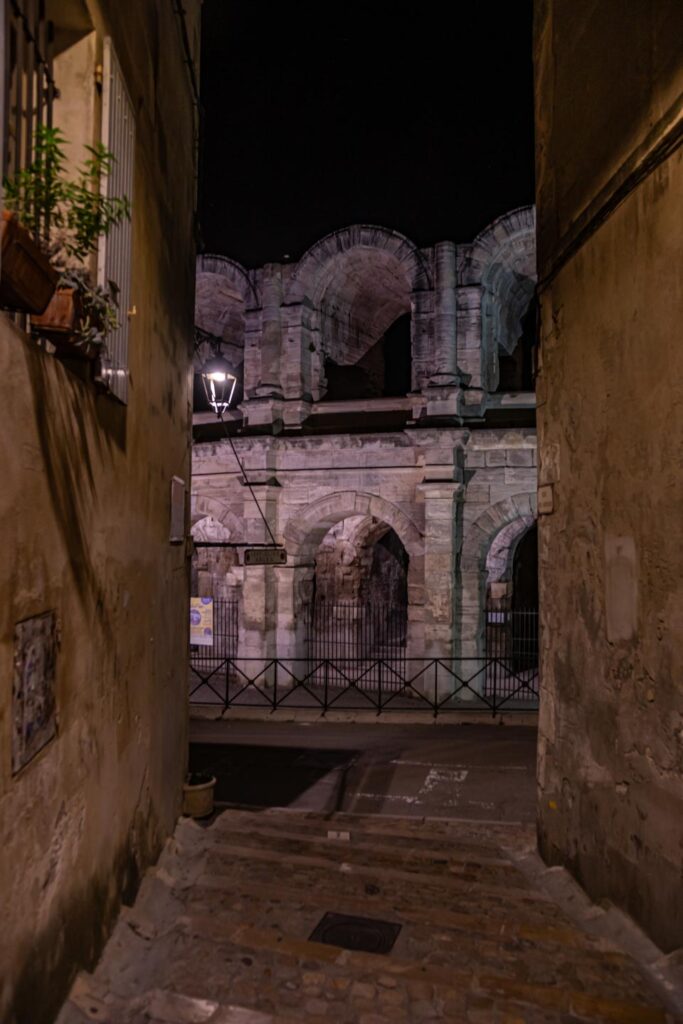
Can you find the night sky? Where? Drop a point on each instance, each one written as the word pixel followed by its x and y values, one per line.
pixel 319 115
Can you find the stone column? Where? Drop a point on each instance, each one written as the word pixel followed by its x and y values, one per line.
pixel 269 385
pixel 440 500
pixel 264 407
pixel 294 595
pixel 444 371
pixel 259 594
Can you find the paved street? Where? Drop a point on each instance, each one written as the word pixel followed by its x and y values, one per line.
pixel 481 772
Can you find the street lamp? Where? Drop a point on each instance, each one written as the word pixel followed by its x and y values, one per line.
pixel 219 383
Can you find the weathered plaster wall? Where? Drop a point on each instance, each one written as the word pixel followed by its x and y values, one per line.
pixel 610 398
pixel 84 513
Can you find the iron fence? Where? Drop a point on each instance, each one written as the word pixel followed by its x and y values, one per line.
pixel 511 644
pixel 361 637
pixel 434 684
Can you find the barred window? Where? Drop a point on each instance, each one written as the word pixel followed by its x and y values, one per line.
pixel 29 85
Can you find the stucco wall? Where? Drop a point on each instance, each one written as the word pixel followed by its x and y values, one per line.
pixel 84 512
pixel 610 398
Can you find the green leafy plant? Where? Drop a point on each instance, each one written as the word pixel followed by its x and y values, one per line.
pixel 68 216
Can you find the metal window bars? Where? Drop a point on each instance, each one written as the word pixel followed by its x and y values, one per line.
pixel 29 85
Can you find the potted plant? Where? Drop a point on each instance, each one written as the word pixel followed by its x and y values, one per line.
pixel 27 278
pixel 80 313
pixel 198 794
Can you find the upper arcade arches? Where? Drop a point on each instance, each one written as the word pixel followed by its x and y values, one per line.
pixel 355 285
pixel 502 262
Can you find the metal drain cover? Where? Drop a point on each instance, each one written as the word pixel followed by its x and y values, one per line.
pixel 363 934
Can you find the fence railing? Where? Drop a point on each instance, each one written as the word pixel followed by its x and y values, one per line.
pixel 417 684
pixel 511 639
pixel 359 632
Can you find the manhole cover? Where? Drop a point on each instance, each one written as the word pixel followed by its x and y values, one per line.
pixel 364 934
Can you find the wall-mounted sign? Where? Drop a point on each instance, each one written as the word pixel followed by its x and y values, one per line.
pixel 177 531
pixel 201 621
pixel 546 500
pixel 265 556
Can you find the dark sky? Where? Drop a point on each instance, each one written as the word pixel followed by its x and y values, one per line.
pixel 414 116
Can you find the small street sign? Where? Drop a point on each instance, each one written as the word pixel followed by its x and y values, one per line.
pixel 265 556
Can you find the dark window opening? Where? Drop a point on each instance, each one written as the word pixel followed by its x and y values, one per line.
pixel 525 572
pixel 397 358
pixel 383 372
pixel 516 369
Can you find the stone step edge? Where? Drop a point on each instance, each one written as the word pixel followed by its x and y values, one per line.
pixel 446 881
pixel 548 997
pixel 419 852
pixel 400 820
pixel 160 1005
pixel 476 925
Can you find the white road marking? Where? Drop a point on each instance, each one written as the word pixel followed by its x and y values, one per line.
pixel 437 775
pixel 486 767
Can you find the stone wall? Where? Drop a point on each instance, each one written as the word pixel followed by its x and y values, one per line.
pixel 445 480
pixel 610 396
pixel 85 515
pixel 285 323
pixel 317 491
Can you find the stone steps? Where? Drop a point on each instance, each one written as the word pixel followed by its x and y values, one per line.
pixel 221 927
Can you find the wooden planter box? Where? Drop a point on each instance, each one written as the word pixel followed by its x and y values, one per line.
pixel 27 279
pixel 59 323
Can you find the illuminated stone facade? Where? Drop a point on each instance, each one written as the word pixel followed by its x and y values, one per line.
pixel 386 388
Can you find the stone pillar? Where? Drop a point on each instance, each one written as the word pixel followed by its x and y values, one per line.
pixel 259 595
pixel 269 385
pixel 294 595
pixel 444 370
pixel 440 500
pixel 421 337
pixel 264 406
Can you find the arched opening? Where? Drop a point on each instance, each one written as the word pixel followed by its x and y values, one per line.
pixel 516 369
pixel 511 610
pixel 364 320
pixel 215 574
pixel 359 602
pixel 525 570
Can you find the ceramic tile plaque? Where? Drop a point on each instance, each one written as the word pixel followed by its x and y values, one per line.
pixel 34 721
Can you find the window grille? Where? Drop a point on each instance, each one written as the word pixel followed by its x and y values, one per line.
pixel 29 86
pixel 115 251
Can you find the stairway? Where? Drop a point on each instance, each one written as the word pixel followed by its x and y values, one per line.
pixel 220 931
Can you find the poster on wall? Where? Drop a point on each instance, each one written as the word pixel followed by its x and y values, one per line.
pixel 34 719
pixel 201 621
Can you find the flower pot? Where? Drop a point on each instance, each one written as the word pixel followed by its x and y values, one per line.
pixel 27 279
pixel 59 323
pixel 198 797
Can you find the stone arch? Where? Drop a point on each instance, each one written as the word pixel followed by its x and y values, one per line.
pixel 303 535
pixel 501 553
pixel 477 541
pixel 353 285
pixel 315 264
pixel 225 299
pixel 205 508
pixel 502 262
pixel 305 531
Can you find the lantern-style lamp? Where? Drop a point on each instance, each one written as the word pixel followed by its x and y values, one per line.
pixel 219 383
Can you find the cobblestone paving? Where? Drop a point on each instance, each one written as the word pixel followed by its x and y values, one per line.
pixel 220 932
